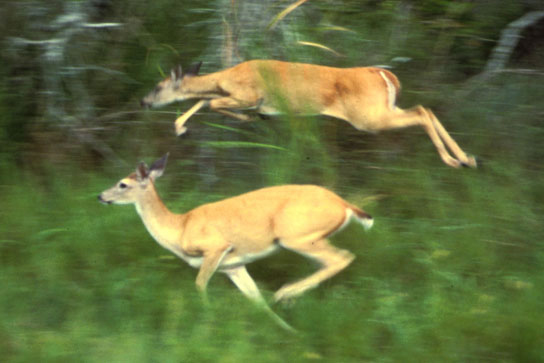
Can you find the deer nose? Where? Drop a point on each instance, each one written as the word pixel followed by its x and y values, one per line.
pixel 101 200
pixel 143 103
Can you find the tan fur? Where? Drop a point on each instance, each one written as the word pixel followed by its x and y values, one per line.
pixel 364 96
pixel 228 234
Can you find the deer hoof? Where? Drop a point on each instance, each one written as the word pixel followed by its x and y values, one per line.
pixel 180 130
pixel 471 163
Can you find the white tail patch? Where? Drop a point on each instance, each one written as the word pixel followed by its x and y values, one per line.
pixel 366 222
pixel 391 91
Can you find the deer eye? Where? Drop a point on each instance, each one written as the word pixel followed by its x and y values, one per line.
pixel 122 185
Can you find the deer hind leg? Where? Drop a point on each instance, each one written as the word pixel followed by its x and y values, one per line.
pixel 419 116
pixel 450 142
pixel 247 286
pixel 331 259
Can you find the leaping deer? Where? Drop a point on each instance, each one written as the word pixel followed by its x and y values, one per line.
pixel 226 235
pixel 365 97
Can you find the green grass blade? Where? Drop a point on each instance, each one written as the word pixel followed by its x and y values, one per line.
pixel 227 128
pixel 242 144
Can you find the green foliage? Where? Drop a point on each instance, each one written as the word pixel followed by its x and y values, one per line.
pixel 451 271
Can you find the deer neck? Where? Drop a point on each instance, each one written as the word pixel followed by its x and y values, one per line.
pixel 206 86
pixel 160 222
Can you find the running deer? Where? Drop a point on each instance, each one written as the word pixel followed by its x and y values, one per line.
pixel 226 235
pixel 365 97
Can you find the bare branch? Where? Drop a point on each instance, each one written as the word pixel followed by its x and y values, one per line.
pixel 510 37
pixel 102 25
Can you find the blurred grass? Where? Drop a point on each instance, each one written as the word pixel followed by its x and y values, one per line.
pixel 452 271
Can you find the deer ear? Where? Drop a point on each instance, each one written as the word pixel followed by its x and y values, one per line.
pixel 142 172
pixel 176 73
pixel 193 71
pixel 157 168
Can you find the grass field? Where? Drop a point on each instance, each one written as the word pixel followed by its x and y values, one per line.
pixel 451 272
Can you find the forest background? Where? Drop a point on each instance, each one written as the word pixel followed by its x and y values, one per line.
pixel 452 270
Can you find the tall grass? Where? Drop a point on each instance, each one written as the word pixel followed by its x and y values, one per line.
pixel 452 271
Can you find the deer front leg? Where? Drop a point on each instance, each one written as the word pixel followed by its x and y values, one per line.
pixel 222 105
pixel 247 286
pixel 180 121
pixel 210 263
